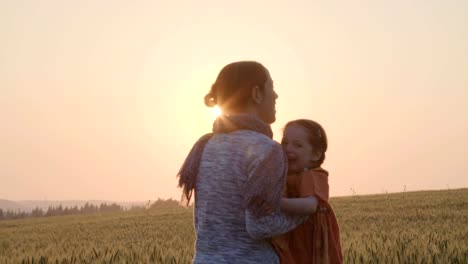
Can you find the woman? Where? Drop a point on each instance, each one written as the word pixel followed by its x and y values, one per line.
pixel 238 172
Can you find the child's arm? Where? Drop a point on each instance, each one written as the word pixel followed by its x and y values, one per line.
pixel 302 206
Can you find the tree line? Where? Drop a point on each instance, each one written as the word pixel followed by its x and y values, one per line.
pixel 86 209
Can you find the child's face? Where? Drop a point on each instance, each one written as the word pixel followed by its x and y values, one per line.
pixel 298 149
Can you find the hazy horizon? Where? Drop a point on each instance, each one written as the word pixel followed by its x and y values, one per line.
pixel 103 100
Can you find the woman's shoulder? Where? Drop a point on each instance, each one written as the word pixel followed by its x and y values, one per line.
pixel 253 136
pixel 256 141
pixel 247 144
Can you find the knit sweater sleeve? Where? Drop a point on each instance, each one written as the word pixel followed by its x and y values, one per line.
pixel 269 169
pixel 271 225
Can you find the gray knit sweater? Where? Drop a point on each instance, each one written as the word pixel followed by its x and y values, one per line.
pixel 226 231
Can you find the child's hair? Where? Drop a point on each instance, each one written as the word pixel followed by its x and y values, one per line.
pixel 317 137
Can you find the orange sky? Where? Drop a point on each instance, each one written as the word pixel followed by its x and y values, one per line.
pixel 103 100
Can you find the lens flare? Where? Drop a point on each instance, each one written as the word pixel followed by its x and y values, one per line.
pixel 216 111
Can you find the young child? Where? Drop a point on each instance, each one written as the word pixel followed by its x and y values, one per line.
pixel 317 239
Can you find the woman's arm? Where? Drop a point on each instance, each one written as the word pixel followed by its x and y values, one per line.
pixel 293 212
pixel 271 225
pixel 302 206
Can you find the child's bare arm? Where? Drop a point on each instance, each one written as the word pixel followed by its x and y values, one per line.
pixel 303 206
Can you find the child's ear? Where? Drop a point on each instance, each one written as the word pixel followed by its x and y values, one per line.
pixel 257 95
pixel 316 155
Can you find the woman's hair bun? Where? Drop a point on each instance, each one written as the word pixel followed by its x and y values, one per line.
pixel 210 98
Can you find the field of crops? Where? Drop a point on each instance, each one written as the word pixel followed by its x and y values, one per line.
pixel 410 227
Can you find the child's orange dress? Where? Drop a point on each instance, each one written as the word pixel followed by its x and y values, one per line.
pixel 316 240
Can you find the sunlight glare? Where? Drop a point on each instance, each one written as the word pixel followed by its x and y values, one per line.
pixel 216 111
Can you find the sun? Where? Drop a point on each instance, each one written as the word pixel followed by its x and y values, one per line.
pixel 216 111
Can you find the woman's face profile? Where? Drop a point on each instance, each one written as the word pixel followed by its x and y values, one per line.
pixel 268 103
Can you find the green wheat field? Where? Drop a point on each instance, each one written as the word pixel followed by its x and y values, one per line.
pixel 409 227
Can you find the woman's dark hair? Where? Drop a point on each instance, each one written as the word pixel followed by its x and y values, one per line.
pixel 317 137
pixel 234 84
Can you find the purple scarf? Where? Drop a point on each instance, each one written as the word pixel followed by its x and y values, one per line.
pixel 262 193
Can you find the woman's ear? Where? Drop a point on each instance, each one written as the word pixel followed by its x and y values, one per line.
pixel 257 95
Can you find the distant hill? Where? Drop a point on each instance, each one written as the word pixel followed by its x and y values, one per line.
pixel 7 205
pixel 29 205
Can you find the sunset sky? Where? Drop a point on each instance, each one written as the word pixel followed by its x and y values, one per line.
pixel 104 99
